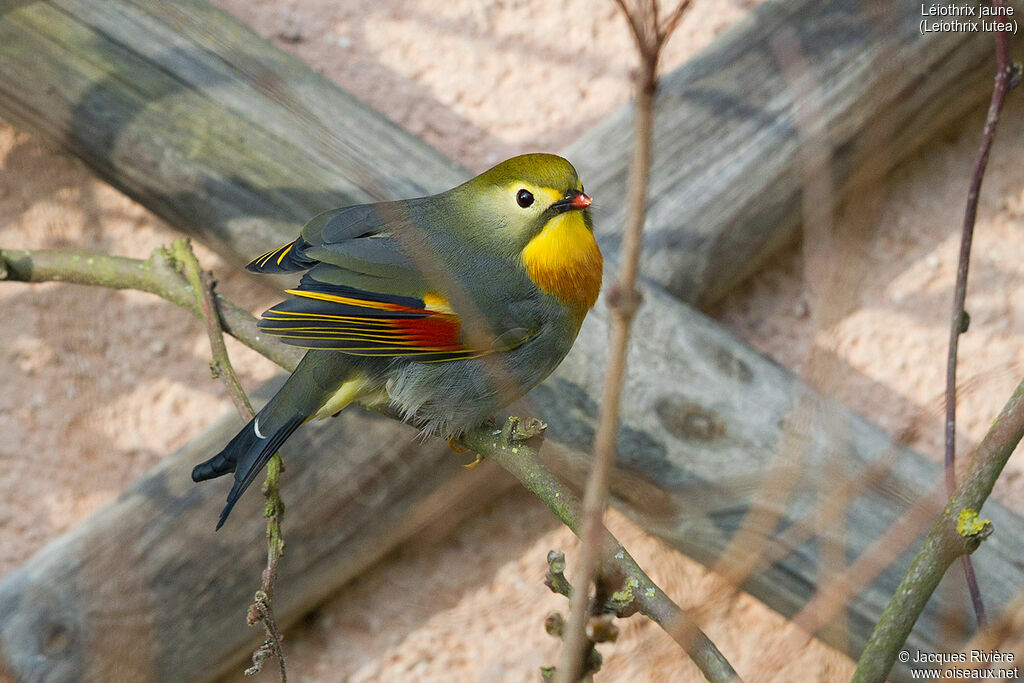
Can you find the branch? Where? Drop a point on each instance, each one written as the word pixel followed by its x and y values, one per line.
pixel 960 319
pixel 956 533
pixel 202 286
pixel 624 299
pixel 670 24
pixel 260 610
pixel 159 275
pixel 520 460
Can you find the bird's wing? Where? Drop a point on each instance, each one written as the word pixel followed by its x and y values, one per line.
pixel 364 296
pixel 331 235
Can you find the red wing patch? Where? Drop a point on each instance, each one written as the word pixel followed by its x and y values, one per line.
pixel 361 323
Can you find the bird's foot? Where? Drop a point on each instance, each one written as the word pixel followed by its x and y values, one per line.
pixel 455 445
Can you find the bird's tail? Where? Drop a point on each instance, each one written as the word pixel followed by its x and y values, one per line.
pixel 301 397
pixel 245 455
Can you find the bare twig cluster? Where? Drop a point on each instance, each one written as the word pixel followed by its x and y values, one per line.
pixel 511 449
pixel 613 599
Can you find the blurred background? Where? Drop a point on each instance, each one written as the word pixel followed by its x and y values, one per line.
pixel 100 385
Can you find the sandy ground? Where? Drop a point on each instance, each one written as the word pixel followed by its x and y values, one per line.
pixel 99 385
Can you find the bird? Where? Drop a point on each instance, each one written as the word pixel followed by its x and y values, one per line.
pixel 446 307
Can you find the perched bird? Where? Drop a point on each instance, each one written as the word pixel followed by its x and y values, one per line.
pixel 448 307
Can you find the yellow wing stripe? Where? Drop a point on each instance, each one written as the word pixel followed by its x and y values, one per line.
pixel 261 260
pixel 340 333
pixel 347 300
pixel 389 353
pixel 285 252
pixel 299 316
pixel 419 350
pixel 432 302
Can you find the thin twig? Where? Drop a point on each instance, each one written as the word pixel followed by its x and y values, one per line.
pixel 259 611
pixel 634 27
pixel 156 275
pixel 957 532
pixel 624 300
pixel 220 366
pixel 1003 631
pixel 669 26
pixel 960 320
pixel 159 275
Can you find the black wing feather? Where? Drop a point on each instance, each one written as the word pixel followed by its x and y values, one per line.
pixel 288 258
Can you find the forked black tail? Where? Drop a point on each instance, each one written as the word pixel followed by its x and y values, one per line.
pixel 245 455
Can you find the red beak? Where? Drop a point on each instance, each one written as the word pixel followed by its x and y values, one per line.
pixel 580 201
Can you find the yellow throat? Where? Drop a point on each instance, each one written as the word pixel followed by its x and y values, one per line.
pixel 564 260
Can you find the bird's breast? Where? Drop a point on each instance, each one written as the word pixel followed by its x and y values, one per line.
pixel 564 260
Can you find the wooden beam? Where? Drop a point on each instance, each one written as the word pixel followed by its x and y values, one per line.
pixel 145 590
pixel 730 160
pixel 236 142
pixel 196 117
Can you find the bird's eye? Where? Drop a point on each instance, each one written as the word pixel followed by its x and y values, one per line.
pixel 524 198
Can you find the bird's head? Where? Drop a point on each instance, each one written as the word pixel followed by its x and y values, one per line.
pixel 521 196
pixel 533 208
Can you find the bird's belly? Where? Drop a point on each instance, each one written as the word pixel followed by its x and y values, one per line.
pixel 446 399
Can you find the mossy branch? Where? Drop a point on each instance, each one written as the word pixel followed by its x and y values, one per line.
pixel 957 532
pixel 157 275
pixel 509 447
pixel 261 609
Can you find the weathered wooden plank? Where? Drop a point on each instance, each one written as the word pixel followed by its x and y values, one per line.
pixel 227 137
pixel 182 107
pixel 212 128
pixel 727 176
pixel 145 590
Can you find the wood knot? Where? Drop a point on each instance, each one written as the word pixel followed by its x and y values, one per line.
pixel 689 421
pixel 733 366
pixel 55 639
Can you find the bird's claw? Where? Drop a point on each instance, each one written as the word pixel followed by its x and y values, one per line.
pixel 453 443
